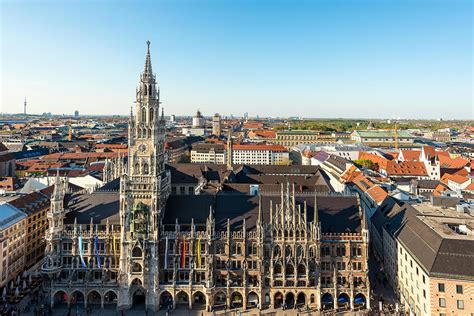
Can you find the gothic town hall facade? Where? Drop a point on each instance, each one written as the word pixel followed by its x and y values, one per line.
pixel 203 236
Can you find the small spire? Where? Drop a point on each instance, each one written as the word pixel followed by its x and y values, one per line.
pixel 57 190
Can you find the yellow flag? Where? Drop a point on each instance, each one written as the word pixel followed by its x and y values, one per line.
pixel 199 252
pixel 114 246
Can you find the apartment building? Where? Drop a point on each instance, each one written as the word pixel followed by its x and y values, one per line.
pixel 12 242
pixel 435 255
pixel 208 153
pixel 34 205
pixel 253 154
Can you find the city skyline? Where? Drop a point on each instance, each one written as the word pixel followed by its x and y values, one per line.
pixel 274 59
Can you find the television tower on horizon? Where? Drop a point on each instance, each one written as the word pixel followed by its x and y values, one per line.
pixel 24 107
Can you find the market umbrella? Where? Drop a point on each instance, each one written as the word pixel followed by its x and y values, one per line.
pixel 11 285
pixel 4 295
pixel 17 292
pixel 29 278
pixel 24 285
pixel 18 279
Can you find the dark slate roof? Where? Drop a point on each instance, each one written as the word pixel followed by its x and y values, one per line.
pixel 191 173
pixel 30 153
pixel 427 184
pixel 113 185
pixel 443 257
pixel 337 214
pixel 337 161
pixel 455 257
pixel 99 206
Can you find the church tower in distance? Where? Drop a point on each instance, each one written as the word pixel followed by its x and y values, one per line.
pixel 144 189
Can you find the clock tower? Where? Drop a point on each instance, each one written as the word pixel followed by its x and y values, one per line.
pixel 143 193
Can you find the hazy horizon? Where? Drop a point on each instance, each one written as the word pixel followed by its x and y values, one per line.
pixel 408 59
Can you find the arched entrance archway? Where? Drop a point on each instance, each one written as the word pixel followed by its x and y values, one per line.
pixel 77 297
pixel 166 300
pixel 343 301
pixel 220 300
pixel 94 298
pixel 199 300
pixel 110 299
pixel 236 300
pixel 360 301
pixel 252 300
pixel 60 298
pixel 300 300
pixel 138 298
pixel 290 300
pixel 327 301
pixel 278 300
pixel 267 299
pixel 182 300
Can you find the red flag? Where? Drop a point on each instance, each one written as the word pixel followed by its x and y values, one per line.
pixel 183 254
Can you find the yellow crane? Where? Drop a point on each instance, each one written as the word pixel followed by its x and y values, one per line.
pixel 395 136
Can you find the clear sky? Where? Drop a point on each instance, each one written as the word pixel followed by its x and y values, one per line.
pixel 334 58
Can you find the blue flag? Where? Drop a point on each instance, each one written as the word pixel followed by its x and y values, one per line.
pixel 96 242
pixel 80 252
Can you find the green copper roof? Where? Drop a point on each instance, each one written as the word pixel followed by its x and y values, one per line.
pixel 383 133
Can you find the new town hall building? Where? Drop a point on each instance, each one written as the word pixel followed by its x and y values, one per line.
pixel 204 236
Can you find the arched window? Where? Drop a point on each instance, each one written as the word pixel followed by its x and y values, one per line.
pixel 288 252
pixel 136 267
pixel 145 89
pixel 276 251
pixel 137 168
pixel 149 90
pixel 137 252
pixel 151 114
pixel 299 251
pixel 290 269
pixel 145 168
pixel 301 269
pixel 143 114
pixel 277 269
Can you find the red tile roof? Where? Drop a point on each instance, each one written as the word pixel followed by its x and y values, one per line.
pixel 262 134
pixel 458 179
pixel 429 151
pixel 406 168
pixel 381 161
pixel 452 163
pixel 377 194
pixel 278 148
pixel 410 155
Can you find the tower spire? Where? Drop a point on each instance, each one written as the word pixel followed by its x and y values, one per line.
pixel 24 107
pixel 148 71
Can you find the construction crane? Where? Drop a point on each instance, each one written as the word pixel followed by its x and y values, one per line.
pixel 395 136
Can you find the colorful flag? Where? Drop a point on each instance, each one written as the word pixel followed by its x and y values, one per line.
pixel 80 252
pixel 166 252
pixel 114 245
pixel 96 242
pixel 183 254
pixel 199 252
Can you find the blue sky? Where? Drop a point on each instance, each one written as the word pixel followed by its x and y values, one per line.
pixel 334 58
